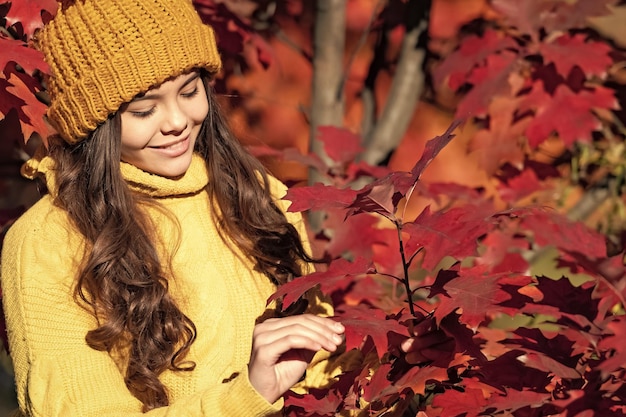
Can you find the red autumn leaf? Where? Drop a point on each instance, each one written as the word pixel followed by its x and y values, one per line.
pixel 367 290
pixel 28 13
pixel 288 154
pixel 545 363
pixel 453 191
pixel 432 149
pixel 520 186
pixel 451 233
pixel 514 400
pixel 503 253
pixel 550 228
pixel 319 196
pixel 12 136
pixel 32 112
pixel 473 51
pixel 477 292
pixel 265 52
pixel 324 402
pixel 528 16
pixel 567 52
pixel 554 344
pixel 359 169
pixel 382 196
pixel 500 142
pixel 614 343
pixel 417 378
pixel 386 256
pixel 454 403
pixel 10 101
pixel 364 321
pixel 340 144
pixel 498 245
pixel 261 151
pixel 17 51
pixel 611 269
pixel 233 31
pixel 380 387
pixel 355 235
pixel 490 80
pixel 563 298
pixel 337 276
pixel 378 384
pixel 576 14
pixel 567 113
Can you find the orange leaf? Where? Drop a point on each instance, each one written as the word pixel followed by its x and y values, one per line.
pixel 32 112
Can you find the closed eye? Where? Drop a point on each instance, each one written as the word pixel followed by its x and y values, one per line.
pixel 142 114
pixel 191 93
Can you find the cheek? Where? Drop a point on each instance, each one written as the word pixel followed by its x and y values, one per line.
pixel 135 133
pixel 199 111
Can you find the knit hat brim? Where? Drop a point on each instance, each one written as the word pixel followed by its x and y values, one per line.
pixel 103 53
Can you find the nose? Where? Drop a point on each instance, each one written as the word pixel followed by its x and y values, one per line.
pixel 175 120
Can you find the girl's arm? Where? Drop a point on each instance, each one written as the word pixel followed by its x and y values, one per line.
pixel 57 374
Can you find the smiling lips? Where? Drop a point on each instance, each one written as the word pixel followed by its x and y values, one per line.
pixel 175 149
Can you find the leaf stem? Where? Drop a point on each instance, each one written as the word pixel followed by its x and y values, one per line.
pixel 405 267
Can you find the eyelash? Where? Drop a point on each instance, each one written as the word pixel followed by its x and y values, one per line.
pixel 143 114
pixel 148 113
pixel 191 93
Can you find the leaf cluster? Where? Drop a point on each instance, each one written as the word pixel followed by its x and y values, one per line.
pixel 532 297
pixel 532 301
pixel 544 83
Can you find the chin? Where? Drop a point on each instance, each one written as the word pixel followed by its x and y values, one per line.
pixel 174 171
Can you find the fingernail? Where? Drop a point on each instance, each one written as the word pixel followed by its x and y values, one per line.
pixel 339 327
pixel 406 344
pixel 337 338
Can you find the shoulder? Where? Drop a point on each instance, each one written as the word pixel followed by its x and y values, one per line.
pixel 277 188
pixel 41 238
pixel 43 221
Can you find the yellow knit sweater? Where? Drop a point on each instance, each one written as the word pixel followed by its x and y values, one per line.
pixel 57 374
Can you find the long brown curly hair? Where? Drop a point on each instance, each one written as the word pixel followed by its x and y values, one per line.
pixel 122 279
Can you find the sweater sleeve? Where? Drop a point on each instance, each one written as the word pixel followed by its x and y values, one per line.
pixel 56 372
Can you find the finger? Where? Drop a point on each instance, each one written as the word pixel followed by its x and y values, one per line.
pixel 290 347
pixel 326 332
pixel 416 357
pixel 312 320
pixel 424 341
pixel 424 326
pixel 304 325
pixel 445 348
pixel 432 353
pixel 292 336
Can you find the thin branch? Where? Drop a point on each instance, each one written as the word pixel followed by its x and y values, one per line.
pixel 327 101
pixel 283 37
pixel 364 35
pixel 406 88
pixel 391 276
pixel 588 203
pixel 405 267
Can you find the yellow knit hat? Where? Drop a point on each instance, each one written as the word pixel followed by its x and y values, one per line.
pixel 102 53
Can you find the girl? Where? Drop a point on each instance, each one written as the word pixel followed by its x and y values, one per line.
pixel 138 284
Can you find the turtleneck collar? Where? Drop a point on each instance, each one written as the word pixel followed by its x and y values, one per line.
pixel 193 181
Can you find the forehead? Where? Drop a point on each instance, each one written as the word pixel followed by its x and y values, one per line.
pixel 173 84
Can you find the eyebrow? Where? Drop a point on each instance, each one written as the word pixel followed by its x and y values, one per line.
pixel 146 96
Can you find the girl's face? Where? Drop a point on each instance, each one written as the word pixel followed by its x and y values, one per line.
pixel 160 127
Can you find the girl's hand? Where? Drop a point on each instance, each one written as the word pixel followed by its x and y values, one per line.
pixel 283 347
pixel 429 344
